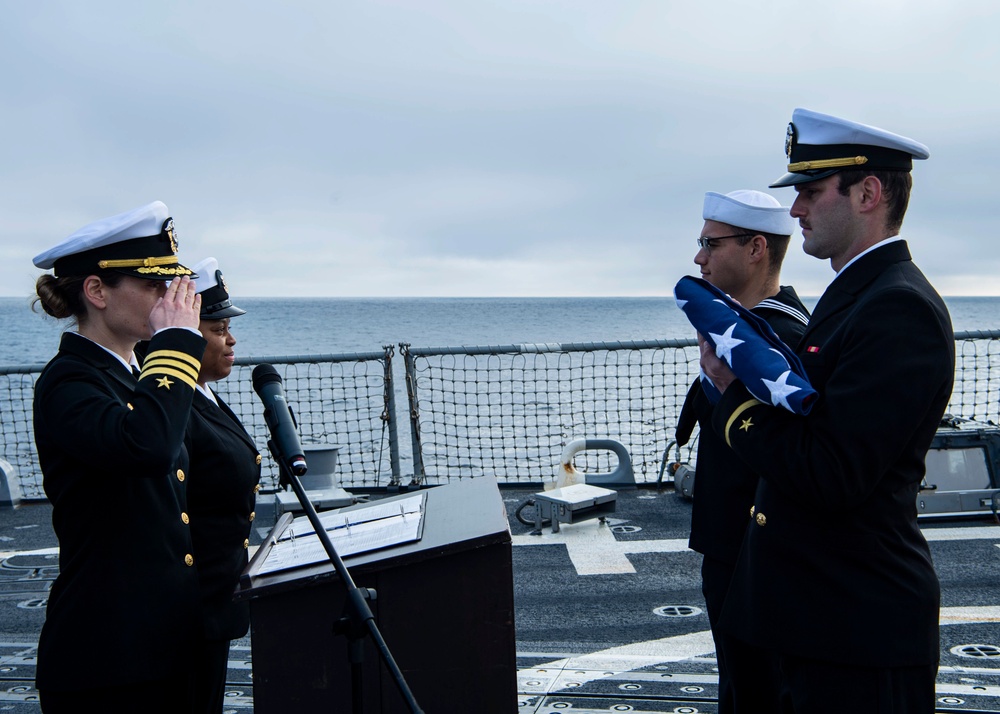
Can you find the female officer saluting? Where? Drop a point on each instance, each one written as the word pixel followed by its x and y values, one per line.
pixel 110 446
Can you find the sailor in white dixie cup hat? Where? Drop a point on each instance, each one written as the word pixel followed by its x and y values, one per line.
pixel 741 248
pixel 835 576
pixel 754 210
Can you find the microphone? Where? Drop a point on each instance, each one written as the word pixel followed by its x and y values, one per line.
pixel 267 384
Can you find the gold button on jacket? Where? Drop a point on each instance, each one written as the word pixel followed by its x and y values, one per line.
pixel 258 459
pixel 761 519
pixel 185 519
pixel 246 543
pixel 180 475
pixel 189 559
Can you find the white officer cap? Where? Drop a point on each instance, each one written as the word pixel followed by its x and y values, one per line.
pixel 819 145
pixel 753 210
pixel 215 302
pixel 141 243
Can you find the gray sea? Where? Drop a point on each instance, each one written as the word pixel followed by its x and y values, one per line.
pixel 298 326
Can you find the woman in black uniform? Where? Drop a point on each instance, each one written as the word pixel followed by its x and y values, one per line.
pixel 110 446
pixel 223 484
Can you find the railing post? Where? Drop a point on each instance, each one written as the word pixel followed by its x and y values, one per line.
pixel 389 417
pixel 411 393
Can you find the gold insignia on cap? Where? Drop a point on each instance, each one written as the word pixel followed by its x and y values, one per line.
pixel 168 228
pixel 222 282
pixel 789 140
pixel 173 270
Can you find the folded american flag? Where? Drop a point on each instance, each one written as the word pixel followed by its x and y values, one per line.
pixel 757 356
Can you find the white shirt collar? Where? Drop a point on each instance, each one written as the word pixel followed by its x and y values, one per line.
pixel 132 361
pixel 881 243
pixel 208 394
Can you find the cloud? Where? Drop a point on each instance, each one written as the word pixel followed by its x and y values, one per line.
pixel 449 148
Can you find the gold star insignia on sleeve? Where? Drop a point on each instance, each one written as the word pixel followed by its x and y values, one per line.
pixel 746 424
pixel 164 382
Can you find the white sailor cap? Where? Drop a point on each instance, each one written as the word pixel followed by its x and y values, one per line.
pixel 215 302
pixel 819 145
pixel 141 242
pixel 752 210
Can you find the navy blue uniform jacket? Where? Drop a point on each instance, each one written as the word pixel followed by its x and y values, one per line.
pixel 833 566
pixel 225 471
pixel 113 465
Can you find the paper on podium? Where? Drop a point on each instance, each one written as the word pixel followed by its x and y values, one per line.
pixel 352 531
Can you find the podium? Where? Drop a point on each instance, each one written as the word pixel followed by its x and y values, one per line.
pixel 445 607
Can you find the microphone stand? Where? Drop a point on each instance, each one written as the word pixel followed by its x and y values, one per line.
pixel 357 618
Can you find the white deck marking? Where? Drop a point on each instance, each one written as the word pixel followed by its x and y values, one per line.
pixel 975 533
pixel 573 672
pixel 594 550
pixel 970 615
pixel 40 551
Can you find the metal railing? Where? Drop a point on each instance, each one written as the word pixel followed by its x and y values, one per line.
pixel 505 411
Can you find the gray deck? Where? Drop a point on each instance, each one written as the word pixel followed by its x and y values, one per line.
pixel 608 617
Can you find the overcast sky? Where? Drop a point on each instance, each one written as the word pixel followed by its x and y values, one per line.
pixel 474 148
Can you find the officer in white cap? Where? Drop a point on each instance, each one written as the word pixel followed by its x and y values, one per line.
pixel 740 251
pixel 110 445
pixel 222 490
pixel 140 243
pixel 835 576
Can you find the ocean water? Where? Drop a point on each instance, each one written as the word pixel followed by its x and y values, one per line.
pixel 297 326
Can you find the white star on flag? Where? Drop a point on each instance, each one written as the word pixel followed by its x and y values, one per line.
pixel 780 390
pixel 725 344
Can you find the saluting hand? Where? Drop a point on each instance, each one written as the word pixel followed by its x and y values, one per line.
pixel 180 306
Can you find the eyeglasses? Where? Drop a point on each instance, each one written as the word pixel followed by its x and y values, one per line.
pixel 709 241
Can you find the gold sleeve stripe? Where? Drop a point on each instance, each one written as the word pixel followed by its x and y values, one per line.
pixel 156 366
pixel 736 414
pixel 182 356
pixel 183 376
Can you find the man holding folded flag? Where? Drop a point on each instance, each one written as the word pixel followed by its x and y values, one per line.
pixel 835 576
